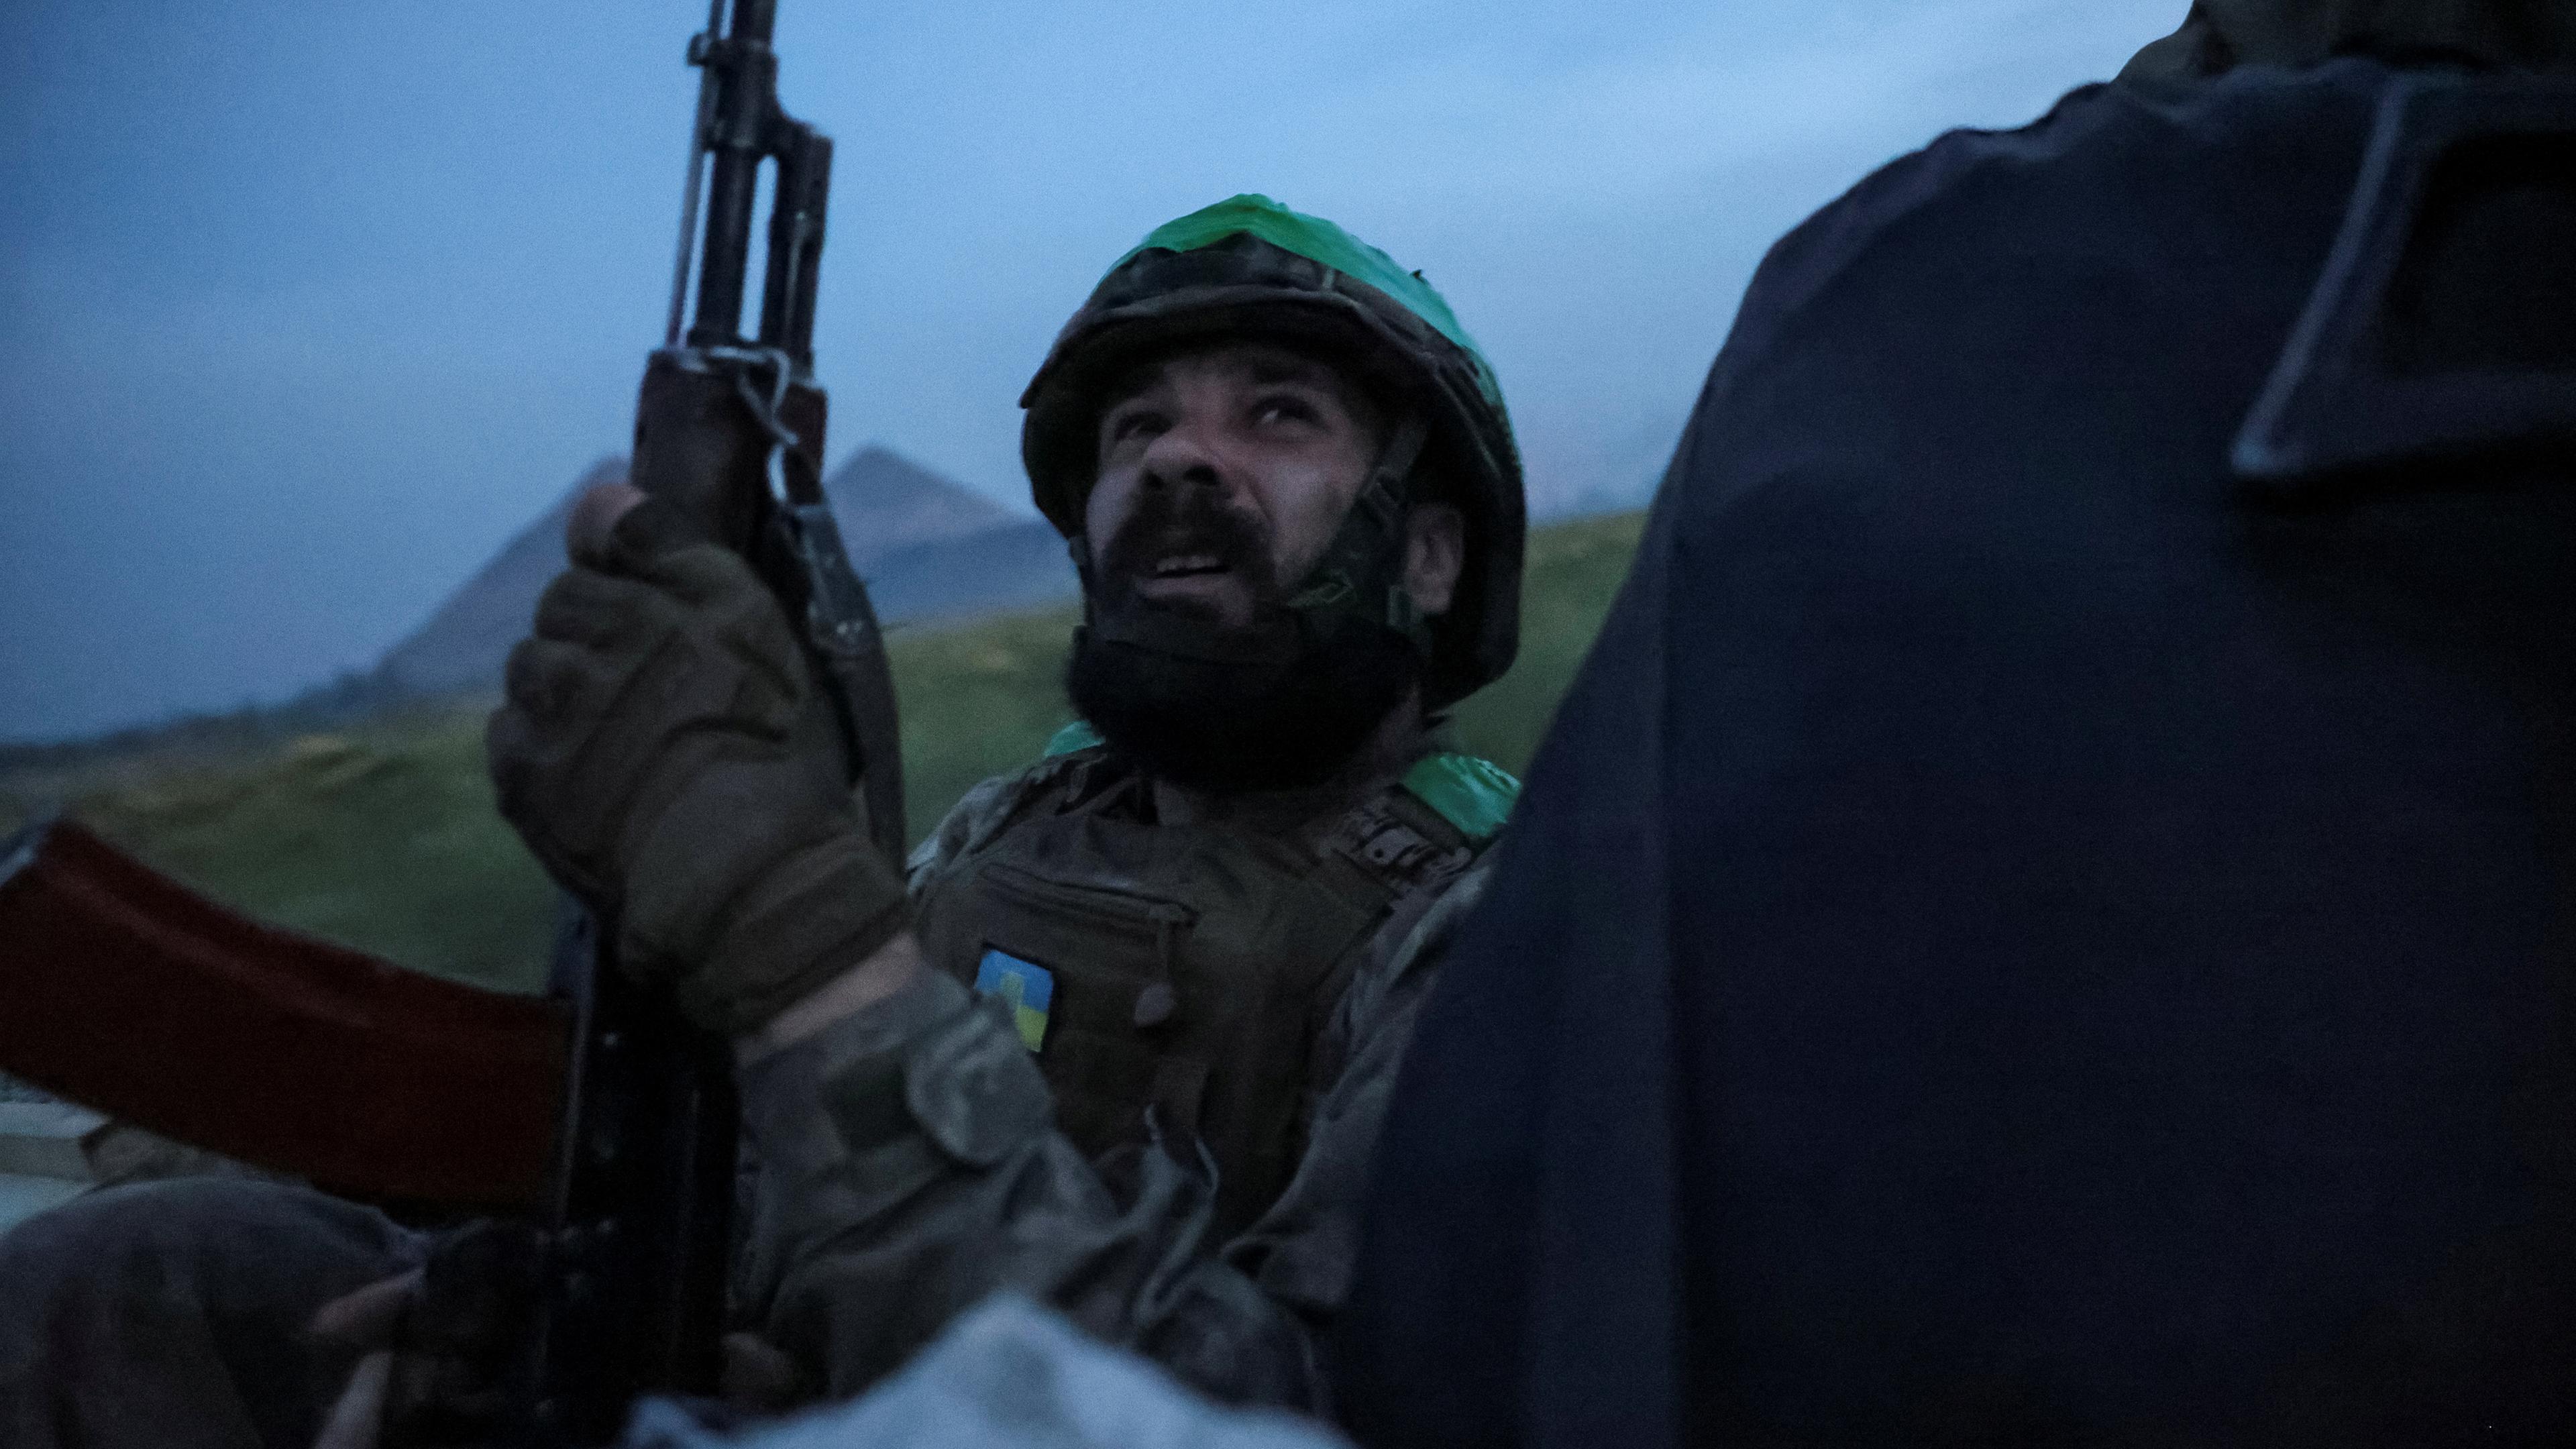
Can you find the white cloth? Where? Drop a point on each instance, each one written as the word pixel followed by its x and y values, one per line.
pixel 1008 1375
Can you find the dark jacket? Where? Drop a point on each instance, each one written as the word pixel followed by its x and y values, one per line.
pixel 2018 935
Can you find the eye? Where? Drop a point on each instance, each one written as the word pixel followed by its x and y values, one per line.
pixel 1284 407
pixel 1135 423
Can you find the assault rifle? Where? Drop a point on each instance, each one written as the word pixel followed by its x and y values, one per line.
pixel 599 1113
pixel 730 429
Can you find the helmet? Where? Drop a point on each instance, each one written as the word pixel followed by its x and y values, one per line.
pixel 1249 267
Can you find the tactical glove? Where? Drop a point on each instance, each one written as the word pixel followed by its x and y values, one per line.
pixel 666 753
pixel 434 1344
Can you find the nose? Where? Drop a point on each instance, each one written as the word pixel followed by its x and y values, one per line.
pixel 1180 458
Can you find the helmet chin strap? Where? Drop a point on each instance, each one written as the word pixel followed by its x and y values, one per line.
pixel 1358 580
pixel 1361 575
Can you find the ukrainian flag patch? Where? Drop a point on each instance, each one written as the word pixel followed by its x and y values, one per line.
pixel 1026 985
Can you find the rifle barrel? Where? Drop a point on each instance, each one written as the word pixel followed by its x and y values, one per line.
pixel 746 73
pixel 697 170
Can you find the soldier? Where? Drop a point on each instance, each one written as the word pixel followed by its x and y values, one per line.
pixel 1122 1039
pixel 2046 918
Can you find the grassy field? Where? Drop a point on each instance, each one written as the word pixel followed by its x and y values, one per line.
pixel 382 836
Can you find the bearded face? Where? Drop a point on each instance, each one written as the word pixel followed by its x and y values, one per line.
pixel 1224 474
pixel 1191 552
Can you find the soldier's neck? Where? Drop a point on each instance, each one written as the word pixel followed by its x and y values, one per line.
pixel 1388 752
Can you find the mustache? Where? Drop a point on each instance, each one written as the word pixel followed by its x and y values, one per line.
pixel 1194 521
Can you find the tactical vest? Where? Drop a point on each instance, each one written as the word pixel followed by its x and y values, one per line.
pixel 1191 969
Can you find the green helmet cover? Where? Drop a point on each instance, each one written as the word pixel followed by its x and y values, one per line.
pixel 1318 240
pixel 1248 266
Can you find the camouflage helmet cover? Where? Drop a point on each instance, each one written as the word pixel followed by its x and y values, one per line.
pixel 1249 267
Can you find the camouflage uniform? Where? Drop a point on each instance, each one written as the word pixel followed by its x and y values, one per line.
pixel 932 1173
pixel 1216 1011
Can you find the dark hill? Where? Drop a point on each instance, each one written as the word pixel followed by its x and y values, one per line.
pixel 465 641
pixel 927 546
pixel 886 502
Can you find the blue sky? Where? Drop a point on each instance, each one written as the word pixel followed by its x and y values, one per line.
pixel 304 309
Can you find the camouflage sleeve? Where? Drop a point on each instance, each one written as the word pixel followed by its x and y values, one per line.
pixel 911 1169
pixel 975 817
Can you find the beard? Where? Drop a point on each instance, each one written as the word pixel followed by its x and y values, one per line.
pixel 1274 705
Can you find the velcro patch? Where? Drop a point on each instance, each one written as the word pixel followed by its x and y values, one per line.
pixel 1028 987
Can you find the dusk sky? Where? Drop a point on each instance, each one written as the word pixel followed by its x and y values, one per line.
pixel 304 309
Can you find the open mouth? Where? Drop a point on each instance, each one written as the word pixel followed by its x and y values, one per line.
pixel 1185 566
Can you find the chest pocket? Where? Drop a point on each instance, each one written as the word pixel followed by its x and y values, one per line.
pixel 1189 971
pixel 1199 997
pixel 1115 960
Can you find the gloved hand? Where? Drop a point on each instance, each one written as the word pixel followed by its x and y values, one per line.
pixel 666 752
pixel 435 1348
pixel 434 1343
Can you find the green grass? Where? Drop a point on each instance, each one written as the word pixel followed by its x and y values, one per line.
pixel 1573 572
pixel 383 836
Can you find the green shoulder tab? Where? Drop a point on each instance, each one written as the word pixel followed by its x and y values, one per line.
pixel 1078 735
pixel 1474 795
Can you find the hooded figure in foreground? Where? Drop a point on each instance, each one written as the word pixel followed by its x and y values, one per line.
pixel 2049 915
